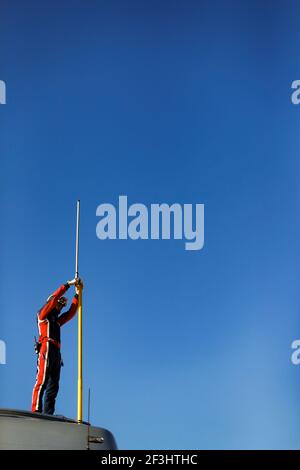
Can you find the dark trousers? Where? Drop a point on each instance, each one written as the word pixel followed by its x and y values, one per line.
pixel 52 382
pixel 47 382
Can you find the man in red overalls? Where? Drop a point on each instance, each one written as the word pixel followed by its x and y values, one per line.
pixel 50 320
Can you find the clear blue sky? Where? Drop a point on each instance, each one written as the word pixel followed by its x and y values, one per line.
pixel 164 101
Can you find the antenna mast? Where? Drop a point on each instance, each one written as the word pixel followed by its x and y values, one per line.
pixel 77 239
pixel 79 381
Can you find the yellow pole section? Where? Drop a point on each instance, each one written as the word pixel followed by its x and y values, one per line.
pixel 79 384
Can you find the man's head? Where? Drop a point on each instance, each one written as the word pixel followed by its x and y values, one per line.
pixel 62 302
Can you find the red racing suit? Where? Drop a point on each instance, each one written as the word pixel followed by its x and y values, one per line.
pixel 49 358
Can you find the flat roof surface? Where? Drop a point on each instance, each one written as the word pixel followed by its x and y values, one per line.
pixel 28 414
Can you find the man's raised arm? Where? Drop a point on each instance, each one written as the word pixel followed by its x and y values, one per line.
pixel 67 316
pixel 44 312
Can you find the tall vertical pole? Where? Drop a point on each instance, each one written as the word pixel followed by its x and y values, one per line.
pixel 77 240
pixel 79 381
